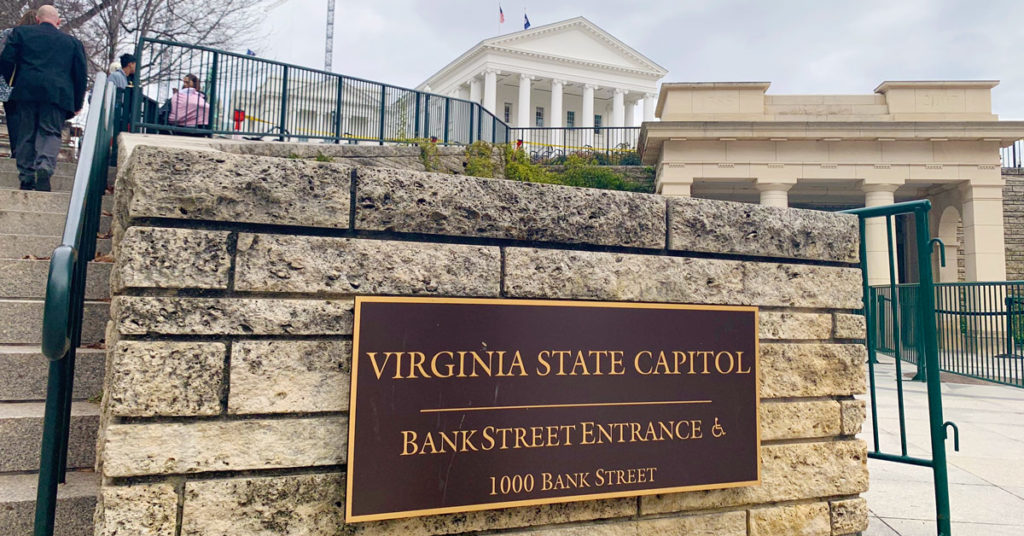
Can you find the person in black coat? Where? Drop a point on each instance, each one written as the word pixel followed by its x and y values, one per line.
pixel 48 69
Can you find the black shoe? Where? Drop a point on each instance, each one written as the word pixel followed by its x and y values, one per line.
pixel 43 180
pixel 26 186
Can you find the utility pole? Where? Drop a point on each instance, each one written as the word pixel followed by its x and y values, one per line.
pixel 329 49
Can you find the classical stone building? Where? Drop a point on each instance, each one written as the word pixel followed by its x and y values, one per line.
pixel 908 140
pixel 566 74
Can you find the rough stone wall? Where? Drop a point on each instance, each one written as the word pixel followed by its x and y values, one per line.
pixel 1013 222
pixel 226 394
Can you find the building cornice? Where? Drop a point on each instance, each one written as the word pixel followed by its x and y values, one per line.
pixel 654 134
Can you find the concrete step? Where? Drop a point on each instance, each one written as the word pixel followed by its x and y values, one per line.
pixel 21 426
pixel 21 321
pixel 27 279
pixel 14 246
pixel 31 201
pixel 24 369
pixel 64 169
pixel 9 180
pixel 76 502
pixel 40 223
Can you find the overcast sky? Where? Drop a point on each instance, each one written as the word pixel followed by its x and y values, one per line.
pixel 800 46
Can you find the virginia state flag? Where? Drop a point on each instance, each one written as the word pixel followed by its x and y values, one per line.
pixel 526 22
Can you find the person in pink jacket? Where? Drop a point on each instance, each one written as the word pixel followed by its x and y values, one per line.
pixel 188 106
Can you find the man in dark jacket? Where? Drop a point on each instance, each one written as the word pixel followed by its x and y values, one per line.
pixel 49 74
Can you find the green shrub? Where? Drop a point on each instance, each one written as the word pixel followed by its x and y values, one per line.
pixel 478 160
pixel 519 168
pixel 583 172
pixel 429 154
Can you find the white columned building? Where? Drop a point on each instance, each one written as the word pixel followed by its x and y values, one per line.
pixel 566 74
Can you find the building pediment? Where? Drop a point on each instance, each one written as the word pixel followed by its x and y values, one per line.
pixel 575 41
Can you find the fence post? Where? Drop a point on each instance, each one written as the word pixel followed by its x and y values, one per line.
pixel 337 110
pixel 212 100
pixel 284 103
pixel 383 102
pixel 472 108
pixel 1009 326
pixel 447 109
pixel 416 121
pixel 135 101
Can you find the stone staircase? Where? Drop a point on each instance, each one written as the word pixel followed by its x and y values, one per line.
pixel 30 227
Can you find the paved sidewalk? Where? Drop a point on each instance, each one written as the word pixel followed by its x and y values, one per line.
pixel 986 477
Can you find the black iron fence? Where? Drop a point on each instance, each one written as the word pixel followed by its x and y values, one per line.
pixel 611 145
pixel 249 97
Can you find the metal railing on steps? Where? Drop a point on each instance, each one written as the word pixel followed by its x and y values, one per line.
pixel 65 296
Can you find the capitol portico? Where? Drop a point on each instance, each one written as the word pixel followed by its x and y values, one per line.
pixel 566 74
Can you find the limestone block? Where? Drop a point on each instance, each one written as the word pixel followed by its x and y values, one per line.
pixel 175 448
pixel 137 510
pixel 149 257
pixel 789 472
pixel 805 370
pixel 544 273
pixel 280 263
pixel 165 378
pixel 743 228
pixel 527 516
pixel 432 203
pixel 850 326
pixel 794 326
pixel 717 524
pixel 289 376
pixel 799 420
pixel 187 184
pixel 269 506
pixel 849 516
pixel 854 413
pixel 797 520
pixel 136 315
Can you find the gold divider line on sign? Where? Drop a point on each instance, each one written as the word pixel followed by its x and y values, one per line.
pixel 548 406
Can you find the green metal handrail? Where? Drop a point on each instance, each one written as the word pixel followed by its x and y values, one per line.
pixel 925 308
pixel 65 296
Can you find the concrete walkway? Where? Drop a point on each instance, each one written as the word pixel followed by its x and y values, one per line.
pixel 986 477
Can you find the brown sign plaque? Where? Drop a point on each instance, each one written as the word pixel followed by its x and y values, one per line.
pixel 472 404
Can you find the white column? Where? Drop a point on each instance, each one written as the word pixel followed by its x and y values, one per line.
pixel 650 102
pixel 631 109
pixel 618 108
pixel 984 249
pixel 474 89
pixel 523 117
pixel 877 195
pixel 523 108
pixel 556 113
pixel 588 114
pixel 491 90
pixel 774 194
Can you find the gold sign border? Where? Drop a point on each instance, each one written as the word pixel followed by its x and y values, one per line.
pixel 349 518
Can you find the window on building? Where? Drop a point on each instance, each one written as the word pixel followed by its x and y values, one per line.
pixel 597 124
pixel 508 112
pixel 540 116
pixel 570 119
